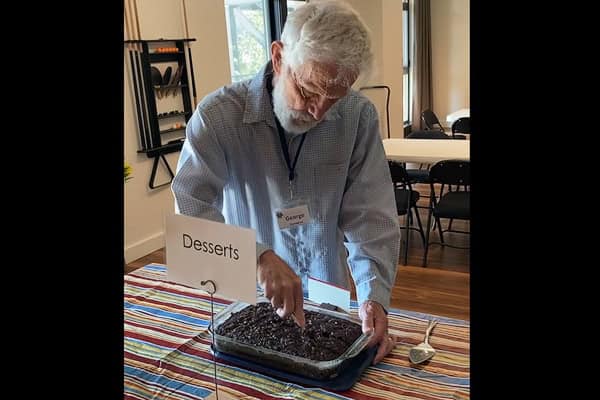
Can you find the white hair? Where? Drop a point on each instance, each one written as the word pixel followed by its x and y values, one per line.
pixel 328 31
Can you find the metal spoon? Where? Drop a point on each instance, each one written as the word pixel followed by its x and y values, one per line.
pixel 423 351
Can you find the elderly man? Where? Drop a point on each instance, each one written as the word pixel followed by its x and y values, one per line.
pixel 295 154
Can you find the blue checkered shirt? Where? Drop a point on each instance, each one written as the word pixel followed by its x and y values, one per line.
pixel 232 169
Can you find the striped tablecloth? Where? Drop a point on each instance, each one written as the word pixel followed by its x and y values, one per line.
pixel 167 352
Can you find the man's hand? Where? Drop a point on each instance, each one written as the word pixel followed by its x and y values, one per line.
pixel 281 285
pixel 374 318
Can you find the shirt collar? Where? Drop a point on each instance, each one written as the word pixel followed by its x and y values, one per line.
pixel 258 101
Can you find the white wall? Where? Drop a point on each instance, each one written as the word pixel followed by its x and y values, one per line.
pixel 384 19
pixel 371 13
pixel 145 208
pixel 450 44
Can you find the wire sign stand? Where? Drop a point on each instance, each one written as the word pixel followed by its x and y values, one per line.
pixel 212 323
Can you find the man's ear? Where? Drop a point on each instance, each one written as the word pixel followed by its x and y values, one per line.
pixel 276 55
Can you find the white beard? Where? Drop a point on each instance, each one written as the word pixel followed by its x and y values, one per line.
pixel 292 121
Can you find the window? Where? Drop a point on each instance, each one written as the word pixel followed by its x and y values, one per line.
pixel 247 37
pixel 251 27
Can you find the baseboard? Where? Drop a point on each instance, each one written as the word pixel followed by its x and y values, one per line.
pixel 144 247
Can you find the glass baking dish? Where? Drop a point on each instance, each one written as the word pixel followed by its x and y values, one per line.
pixel 282 361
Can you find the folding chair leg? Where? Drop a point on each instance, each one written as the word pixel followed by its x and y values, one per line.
pixel 406 242
pixel 452 219
pixel 439 225
pixel 427 238
pixel 420 225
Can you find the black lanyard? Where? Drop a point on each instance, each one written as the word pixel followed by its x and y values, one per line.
pixel 286 152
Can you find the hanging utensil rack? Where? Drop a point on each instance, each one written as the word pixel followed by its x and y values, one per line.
pixel 143 55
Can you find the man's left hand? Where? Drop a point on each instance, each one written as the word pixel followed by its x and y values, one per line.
pixel 374 318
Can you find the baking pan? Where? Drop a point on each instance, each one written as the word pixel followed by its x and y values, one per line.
pixel 286 362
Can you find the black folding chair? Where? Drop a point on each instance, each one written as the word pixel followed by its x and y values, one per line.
pixel 406 202
pixel 461 125
pixel 453 204
pixel 431 121
pixel 421 174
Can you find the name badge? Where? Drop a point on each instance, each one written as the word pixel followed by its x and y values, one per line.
pixel 293 216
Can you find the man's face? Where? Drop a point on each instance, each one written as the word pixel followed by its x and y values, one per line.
pixel 302 97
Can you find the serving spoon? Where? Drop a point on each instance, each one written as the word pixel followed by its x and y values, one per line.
pixel 423 351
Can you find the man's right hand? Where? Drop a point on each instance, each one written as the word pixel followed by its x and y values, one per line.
pixel 281 285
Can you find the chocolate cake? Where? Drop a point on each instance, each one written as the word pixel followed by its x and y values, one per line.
pixel 324 337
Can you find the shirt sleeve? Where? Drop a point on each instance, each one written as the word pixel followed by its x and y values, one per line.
pixel 201 173
pixel 368 215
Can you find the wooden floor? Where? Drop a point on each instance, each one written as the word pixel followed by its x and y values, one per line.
pixel 440 289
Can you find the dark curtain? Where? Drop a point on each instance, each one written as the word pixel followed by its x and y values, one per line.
pixel 422 98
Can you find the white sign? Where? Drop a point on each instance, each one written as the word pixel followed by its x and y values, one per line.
pixel 324 292
pixel 199 249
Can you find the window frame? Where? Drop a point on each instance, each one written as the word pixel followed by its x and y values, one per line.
pixel 277 17
pixel 407 63
pixel 278 12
